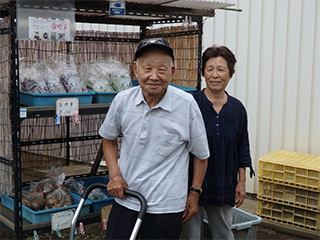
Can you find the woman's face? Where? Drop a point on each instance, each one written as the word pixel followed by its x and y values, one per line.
pixel 216 74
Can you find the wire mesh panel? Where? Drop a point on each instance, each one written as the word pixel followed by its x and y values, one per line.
pixel 6 170
pixel 43 144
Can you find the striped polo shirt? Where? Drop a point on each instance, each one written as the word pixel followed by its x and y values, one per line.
pixel 154 155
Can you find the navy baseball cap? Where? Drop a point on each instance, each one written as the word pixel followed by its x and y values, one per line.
pixel 146 43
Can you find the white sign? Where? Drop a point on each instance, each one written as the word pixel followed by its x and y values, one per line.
pixel 67 106
pixel 61 220
pixel 117 8
pixel 54 29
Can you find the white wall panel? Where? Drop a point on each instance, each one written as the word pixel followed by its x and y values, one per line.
pixel 305 76
pixel 277 49
pixel 292 72
pixel 315 100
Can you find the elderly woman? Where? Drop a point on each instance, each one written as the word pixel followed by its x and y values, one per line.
pixel 225 119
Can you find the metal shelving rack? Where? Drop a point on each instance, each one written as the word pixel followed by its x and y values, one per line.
pixel 142 13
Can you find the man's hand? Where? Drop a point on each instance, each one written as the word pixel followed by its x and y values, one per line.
pixel 116 187
pixel 191 206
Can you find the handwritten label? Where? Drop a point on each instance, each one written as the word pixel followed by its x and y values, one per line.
pixel 67 107
pixel 61 220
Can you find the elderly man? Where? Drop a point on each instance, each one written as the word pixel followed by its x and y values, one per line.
pixel 160 124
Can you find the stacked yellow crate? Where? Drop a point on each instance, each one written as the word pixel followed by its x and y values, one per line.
pixel 289 189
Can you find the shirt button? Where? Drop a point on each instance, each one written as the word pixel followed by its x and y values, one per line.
pixel 144 129
pixel 217 116
pixel 147 114
pixel 218 133
pixel 217 124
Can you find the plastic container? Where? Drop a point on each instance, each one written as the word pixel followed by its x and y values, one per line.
pixel 45 215
pixel 49 99
pixel 288 215
pixel 297 197
pixel 97 204
pixel 292 169
pixel 244 225
pixel 107 97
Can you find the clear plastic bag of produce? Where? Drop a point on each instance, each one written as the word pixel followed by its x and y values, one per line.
pixel 68 73
pixel 31 77
pixel 73 184
pixel 106 75
pixel 52 79
pixel 52 182
pixel 97 194
pixel 60 197
pixel 56 195
pixel 33 200
pixel 78 186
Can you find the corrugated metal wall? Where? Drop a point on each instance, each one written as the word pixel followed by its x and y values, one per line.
pixel 277 45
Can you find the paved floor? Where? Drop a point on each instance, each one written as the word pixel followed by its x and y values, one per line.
pixel 250 206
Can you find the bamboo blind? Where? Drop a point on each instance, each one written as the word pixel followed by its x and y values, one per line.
pixel 185 51
pixel 6 171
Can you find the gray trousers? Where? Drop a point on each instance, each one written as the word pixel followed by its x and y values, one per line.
pixel 219 219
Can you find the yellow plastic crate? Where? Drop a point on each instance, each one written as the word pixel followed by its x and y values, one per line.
pixel 288 215
pixel 291 168
pixel 297 197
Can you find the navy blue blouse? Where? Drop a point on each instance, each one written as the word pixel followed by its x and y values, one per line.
pixel 229 149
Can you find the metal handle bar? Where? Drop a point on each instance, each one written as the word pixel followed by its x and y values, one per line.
pixel 85 194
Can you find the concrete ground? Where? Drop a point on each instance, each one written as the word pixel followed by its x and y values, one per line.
pixel 250 206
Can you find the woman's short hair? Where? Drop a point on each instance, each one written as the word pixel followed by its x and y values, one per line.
pixel 221 51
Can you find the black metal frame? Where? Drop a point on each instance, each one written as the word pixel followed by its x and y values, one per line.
pixel 94 14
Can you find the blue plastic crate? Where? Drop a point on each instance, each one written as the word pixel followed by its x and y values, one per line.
pixel 186 89
pixel 45 215
pixel 49 99
pixel 107 97
pixel 244 225
pixel 104 97
pixel 97 204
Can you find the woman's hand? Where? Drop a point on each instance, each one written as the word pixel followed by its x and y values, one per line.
pixel 240 193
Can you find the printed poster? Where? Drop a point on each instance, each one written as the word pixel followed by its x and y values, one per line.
pixel 54 29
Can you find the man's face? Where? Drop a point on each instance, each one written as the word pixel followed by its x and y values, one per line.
pixel 154 71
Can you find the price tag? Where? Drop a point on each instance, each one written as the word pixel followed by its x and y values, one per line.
pixel 61 220
pixel 23 112
pixel 67 106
